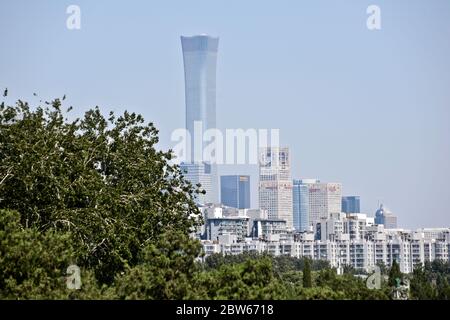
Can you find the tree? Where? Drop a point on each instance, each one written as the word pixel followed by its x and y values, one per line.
pixel 248 280
pixel 33 263
pixel 98 181
pixel 395 275
pixel 420 285
pixel 165 270
pixel 307 282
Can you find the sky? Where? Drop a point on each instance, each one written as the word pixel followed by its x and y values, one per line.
pixel 369 109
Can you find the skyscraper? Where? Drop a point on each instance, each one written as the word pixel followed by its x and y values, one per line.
pixel 300 199
pixel 200 60
pixel 385 217
pixel 199 174
pixel 235 191
pixel 351 204
pixel 275 184
pixel 324 199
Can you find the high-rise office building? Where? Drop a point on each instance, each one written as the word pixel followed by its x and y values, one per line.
pixel 300 200
pixel 275 184
pixel 235 191
pixel 200 173
pixel 200 60
pixel 324 199
pixel 351 204
pixel 385 217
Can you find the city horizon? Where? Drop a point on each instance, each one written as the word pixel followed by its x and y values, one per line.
pixel 215 159
pixel 420 164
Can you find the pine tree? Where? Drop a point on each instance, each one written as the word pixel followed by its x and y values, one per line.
pixel 395 275
pixel 307 282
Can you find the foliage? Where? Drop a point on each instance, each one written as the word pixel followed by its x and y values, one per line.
pixel 33 263
pixel 431 281
pixel 307 282
pixel 165 271
pixel 252 279
pixel 100 179
pixel 395 274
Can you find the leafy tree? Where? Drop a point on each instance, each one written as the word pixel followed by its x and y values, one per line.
pixel 320 293
pixel 99 178
pixel 249 280
pixel 420 285
pixel 33 263
pixel 165 271
pixel 443 289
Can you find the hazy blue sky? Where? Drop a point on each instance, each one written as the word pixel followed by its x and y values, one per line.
pixel 366 108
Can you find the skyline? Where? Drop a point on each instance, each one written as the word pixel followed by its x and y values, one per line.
pixel 393 149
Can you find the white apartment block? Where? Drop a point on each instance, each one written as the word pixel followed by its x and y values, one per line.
pixel 342 239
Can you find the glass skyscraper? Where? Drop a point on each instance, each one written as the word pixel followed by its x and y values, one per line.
pixel 200 60
pixel 351 204
pixel 199 174
pixel 300 203
pixel 235 191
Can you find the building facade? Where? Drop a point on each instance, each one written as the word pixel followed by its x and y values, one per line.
pixel 324 199
pixel 300 203
pixel 386 218
pixel 200 61
pixel 235 191
pixel 200 173
pixel 345 240
pixel 351 204
pixel 275 184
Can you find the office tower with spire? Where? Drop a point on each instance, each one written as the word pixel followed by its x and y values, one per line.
pixel 275 184
pixel 200 60
pixel 385 217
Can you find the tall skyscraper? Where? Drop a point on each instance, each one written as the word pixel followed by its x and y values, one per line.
pixel 275 184
pixel 351 204
pixel 324 199
pixel 200 60
pixel 235 191
pixel 300 199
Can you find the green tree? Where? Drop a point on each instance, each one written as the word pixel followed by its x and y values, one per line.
pixel 98 181
pixel 33 263
pixel 307 281
pixel 165 270
pixel 395 274
pixel 420 285
pixel 248 280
